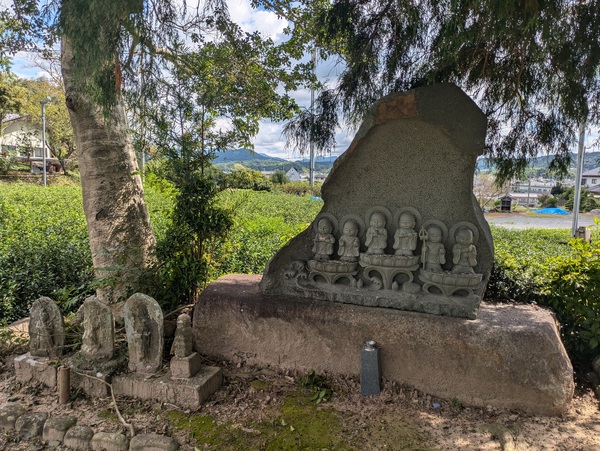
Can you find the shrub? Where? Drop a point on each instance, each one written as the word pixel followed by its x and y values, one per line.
pixel 572 290
pixel 279 178
pixel 244 178
pixel 301 189
pixel 521 262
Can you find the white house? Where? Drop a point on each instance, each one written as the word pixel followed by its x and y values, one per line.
pixel 591 178
pixel 293 175
pixel 22 139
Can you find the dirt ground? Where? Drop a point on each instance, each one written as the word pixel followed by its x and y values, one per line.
pixel 265 409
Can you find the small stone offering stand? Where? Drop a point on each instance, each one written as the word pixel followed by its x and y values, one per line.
pixel 401 254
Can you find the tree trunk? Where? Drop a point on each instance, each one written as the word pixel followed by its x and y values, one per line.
pixel 121 237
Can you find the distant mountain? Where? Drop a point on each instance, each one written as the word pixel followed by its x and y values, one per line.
pixel 226 160
pixel 591 161
pixel 320 159
pixel 239 155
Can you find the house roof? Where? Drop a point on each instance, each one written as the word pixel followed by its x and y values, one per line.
pixel 592 173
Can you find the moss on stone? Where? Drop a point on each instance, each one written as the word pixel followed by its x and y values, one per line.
pixel 301 425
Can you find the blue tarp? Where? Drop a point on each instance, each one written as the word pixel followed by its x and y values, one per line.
pixel 552 211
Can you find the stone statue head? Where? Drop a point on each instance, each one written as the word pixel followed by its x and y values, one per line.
pixel 377 220
pixel 464 236
pixel 184 321
pixel 407 221
pixel 324 226
pixel 435 234
pixel 350 228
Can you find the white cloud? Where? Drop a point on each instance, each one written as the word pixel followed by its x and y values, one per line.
pixel 265 22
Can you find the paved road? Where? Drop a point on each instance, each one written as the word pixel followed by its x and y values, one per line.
pixel 532 220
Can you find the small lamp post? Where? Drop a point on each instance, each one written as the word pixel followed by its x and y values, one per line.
pixel 43 103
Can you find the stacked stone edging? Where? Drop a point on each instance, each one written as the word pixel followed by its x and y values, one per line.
pixel 64 430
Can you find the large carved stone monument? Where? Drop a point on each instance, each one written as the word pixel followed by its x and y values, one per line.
pixel 400 227
pixel 400 254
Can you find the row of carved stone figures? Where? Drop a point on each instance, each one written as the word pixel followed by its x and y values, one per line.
pixel 433 252
pixel 143 324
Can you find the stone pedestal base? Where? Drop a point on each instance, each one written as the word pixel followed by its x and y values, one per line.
pixel 185 367
pixel 94 388
pixel 35 369
pixel 509 357
pixel 188 393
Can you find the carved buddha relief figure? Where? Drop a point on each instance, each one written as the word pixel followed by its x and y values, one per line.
pixel 433 253
pixel 464 252
pixel 405 238
pixel 323 241
pixel 349 245
pixel 376 240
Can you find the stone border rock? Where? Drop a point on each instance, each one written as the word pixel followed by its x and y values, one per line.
pixel 64 430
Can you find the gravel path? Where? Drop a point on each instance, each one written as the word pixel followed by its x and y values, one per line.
pixel 532 220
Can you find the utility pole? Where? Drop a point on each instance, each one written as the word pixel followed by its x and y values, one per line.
pixel 577 194
pixel 312 121
pixel 43 103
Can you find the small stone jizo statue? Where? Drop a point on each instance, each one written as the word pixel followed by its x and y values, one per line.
pixel 349 245
pixel 464 252
pixel 182 344
pixel 98 331
pixel 144 327
pixel 376 241
pixel 46 329
pixel 433 253
pixel 323 241
pixel 405 238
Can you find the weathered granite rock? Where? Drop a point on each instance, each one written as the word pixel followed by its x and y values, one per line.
pixel 409 168
pixel 55 429
pixel 144 328
pixel 109 441
pixel 99 331
pixel 78 437
pixel 31 424
pixel 9 414
pixel 35 369
pixel 153 442
pixel 46 329
pixel 509 357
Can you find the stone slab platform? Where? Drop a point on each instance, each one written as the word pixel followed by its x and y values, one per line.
pixel 30 369
pixel 188 393
pixel 510 357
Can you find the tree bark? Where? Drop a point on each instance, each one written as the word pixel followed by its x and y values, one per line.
pixel 119 229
